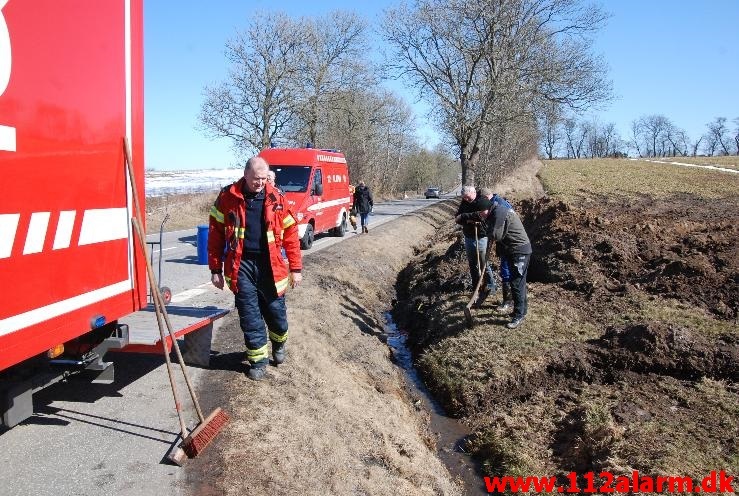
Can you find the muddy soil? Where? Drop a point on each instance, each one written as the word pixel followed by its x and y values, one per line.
pixel 335 418
pixel 682 247
pixel 629 358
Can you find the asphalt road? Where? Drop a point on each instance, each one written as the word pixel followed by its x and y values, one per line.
pixel 88 439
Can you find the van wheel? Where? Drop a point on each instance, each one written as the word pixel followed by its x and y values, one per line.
pixel 307 240
pixel 340 231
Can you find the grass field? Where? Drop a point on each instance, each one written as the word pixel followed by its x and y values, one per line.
pixel 570 180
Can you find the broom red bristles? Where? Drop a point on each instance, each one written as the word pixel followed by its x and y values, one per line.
pixel 205 432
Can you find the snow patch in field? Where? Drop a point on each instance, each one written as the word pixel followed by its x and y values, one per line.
pixel 162 183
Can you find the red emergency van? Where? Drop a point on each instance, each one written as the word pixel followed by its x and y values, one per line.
pixel 315 183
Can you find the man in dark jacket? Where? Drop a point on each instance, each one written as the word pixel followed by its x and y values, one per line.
pixel 363 204
pixel 505 264
pixel 505 227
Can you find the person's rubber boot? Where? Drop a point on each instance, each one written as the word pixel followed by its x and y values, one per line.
pixel 507 305
pixel 278 352
pixel 364 228
pixel 257 371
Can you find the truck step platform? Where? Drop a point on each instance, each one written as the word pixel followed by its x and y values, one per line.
pixel 193 324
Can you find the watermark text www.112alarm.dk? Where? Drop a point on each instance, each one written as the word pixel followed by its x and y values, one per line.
pixel 606 482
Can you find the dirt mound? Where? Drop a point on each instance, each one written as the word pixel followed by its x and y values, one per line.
pixel 627 360
pixel 684 248
pixel 649 348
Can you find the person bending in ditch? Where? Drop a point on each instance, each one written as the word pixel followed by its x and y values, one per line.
pixel 505 264
pixel 505 227
pixel 250 223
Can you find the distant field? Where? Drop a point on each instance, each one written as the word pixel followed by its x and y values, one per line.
pixel 730 162
pixel 576 179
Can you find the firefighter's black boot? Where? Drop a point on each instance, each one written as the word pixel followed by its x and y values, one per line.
pixel 257 371
pixel 278 352
pixel 507 305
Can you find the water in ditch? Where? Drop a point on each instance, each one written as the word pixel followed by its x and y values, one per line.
pixel 450 433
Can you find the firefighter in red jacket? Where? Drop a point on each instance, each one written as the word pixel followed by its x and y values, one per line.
pixel 250 223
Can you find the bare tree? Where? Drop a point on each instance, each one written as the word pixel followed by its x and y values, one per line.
pixel 696 144
pixel 258 99
pixel 719 132
pixel 736 135
pixel 678 139
pixel 635 139
pixel 334 49
pixel 572 137
pixel 481 64
pixel 375 131
pixel 710 144
pixel 654 128
pixel 550 121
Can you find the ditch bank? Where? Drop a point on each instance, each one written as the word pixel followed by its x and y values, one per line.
pixel 337 417
pixel 628 359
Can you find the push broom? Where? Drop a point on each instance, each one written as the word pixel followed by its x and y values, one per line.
pixel 208 428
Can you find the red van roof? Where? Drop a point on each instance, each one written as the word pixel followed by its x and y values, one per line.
pixel 294 156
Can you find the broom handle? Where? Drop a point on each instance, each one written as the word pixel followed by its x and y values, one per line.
pixel 170 372
pixel 158 303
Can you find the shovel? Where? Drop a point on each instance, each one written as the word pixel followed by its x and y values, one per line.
pixel 480 280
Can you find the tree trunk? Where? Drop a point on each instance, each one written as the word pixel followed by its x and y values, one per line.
pixel 468 159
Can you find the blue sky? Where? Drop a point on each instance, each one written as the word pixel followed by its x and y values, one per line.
pixel 675 58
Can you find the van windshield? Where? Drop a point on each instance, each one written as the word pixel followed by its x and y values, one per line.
pixel 292 178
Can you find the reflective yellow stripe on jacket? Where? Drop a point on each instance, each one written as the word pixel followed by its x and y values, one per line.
pixel 216 214
pixel 282 284
pixel 287 221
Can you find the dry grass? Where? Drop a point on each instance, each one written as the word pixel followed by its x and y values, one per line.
pixel 639 307
pixel 575 180
pixel 335 418
pixel 185 211
pixel 467 364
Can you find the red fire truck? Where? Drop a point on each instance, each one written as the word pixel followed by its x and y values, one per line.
pixel 316 185
pixel 71 89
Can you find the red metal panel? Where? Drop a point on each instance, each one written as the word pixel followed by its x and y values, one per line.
pixel 66 99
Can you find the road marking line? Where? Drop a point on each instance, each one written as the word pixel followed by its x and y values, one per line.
pixel 187 294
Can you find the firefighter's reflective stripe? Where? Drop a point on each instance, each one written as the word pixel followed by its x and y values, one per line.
pixel 281 285
pixel 228 280
pixel 270 236
pixel 257 355
pixel 216 214
pixel 240 232
pixel 277 338
pixel 288 221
